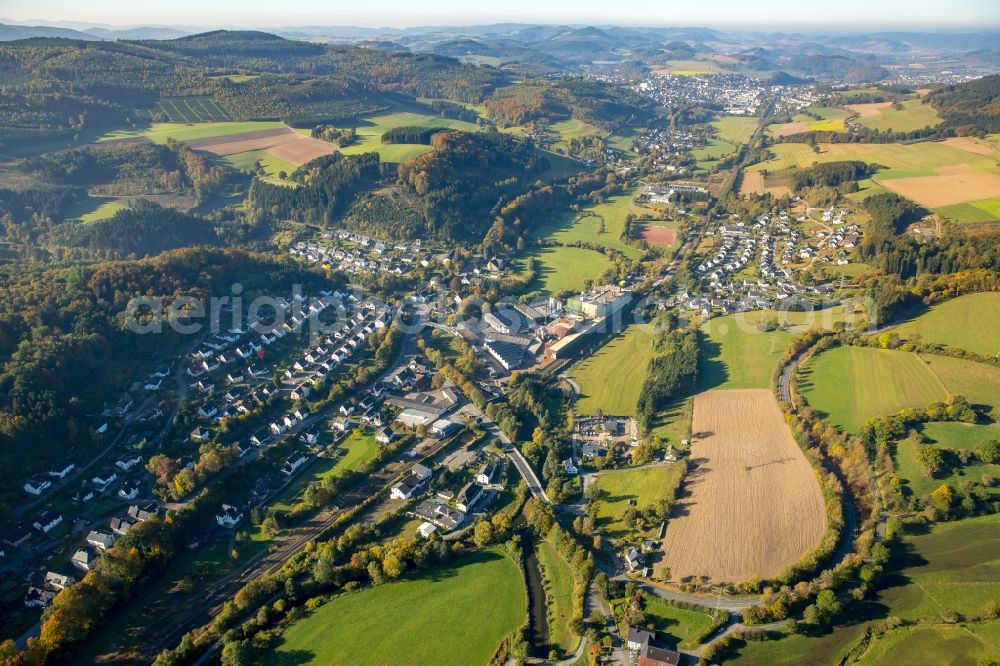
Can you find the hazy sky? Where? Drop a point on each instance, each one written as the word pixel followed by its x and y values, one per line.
pixel 898 14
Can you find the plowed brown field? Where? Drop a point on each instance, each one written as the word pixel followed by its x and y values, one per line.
pixel 751 503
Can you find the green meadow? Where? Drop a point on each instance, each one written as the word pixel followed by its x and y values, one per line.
pixel 611 379
pixel 970 322
pixel 450 616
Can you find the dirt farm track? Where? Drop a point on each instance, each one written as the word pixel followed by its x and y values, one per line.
pixel 751 504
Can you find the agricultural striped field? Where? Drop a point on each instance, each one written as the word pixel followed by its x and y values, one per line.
pixel 191 110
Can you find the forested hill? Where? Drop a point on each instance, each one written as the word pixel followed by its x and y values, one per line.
pixel 56 87
pixel 451 192
pixel 64 348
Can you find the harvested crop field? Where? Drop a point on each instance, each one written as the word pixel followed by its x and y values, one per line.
pixel 751 504
pixel 655 235
pixel 752 182
pixel 970 144
pixel 868 110
pixel 788 129
pixel 953 185
pixel 282 142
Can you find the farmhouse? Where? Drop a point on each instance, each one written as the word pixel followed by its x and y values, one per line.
pixel 636 639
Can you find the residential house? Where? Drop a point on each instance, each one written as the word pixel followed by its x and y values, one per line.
pixel 200 434
pixel 47 521
pixel 129 490
pixel 229 516
pixel 58 581
pixel 61 468
pixel 633 560
pixel 127 462
pixel 637 638
pixel 469 496
pixel 37 485
pixel 293 462
pixel 120 526
pixel 38 598
pixel 17 535
pixel 487 472
pixel 104 479
pixel 425 530
pixel 144 511
pixel 101 540
pixel 85 558
pixel 385 436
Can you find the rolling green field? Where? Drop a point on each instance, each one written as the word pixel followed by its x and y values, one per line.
pixel 736 129
pixel 645 485
pixel 586 226
pixel 986 210
pixel 677 627
pixel 455 615
pixel 912 158
pixel 611 379
pixel 558 579
pixel 913 116
pixel 850 384
pixel 939 644
pixel 566 268
pixel 969 322
pixel 160 132
pixel 953 568
pixel 371 128
pixel 738 356
pixel 978 382
pixel 93 209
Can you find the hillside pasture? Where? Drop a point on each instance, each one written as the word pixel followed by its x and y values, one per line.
pixel 952 568
pixel 969 322
pixel 913 115
pixel 978 382
pixel 567 268
pixel 586 226
pixel 953 437
pixel 437 614
pixel 751 504
pixel 847 385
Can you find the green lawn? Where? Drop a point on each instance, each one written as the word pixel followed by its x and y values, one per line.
pixel 913 116
pixel 735 354
pixel 969 322
pixel 455 615
pixel 645 485
pixel 558 579
pixel 611 379
pixel 978 382
pixel 566 268
pixel 850 384
pixel 736 129
pixel 677 627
